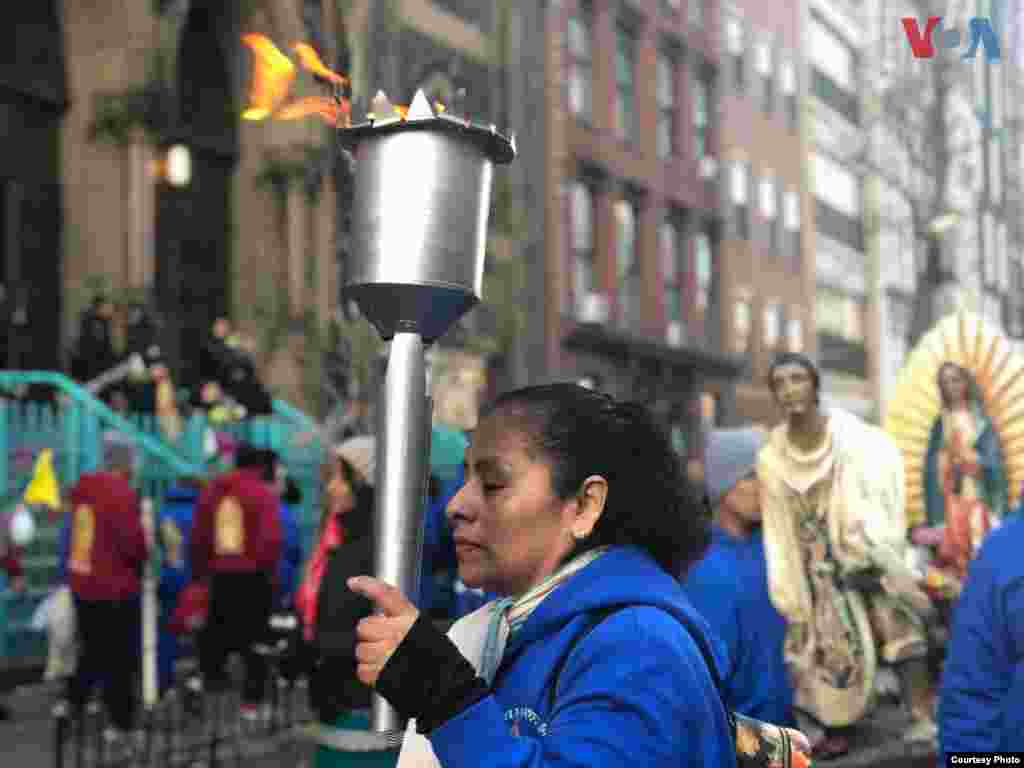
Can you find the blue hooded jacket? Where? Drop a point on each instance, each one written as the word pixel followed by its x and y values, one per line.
pixel 635 691
pixel 291 554
pixel 730 589
pixel 981 700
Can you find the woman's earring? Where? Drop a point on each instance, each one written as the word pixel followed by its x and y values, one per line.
pixel 579 536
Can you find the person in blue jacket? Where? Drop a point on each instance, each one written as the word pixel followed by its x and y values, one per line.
pixel 291 551
pixel 730 585
pixel 576 511
pixel 174 524
pixel 981 696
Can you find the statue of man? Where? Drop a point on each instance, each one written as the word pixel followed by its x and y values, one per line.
pixel 834 533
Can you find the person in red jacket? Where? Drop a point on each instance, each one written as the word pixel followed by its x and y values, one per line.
pixel 10 562
pixel 105 559
pixel 235 547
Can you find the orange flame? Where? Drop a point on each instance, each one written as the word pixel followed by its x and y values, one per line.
pixel 273 75
pixel 330 110
pixel 311 61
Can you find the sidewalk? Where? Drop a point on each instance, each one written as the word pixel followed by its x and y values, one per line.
pixel 27 741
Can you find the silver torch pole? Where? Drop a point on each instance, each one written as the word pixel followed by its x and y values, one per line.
pixel 421 199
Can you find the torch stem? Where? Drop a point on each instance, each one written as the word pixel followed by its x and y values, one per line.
pixel 402 461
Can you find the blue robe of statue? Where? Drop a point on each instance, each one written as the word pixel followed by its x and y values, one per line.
pixel 992 482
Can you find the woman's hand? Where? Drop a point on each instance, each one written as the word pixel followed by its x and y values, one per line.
pixel 378 636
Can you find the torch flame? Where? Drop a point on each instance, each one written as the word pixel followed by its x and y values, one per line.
pixel 333 112
pixel 273 73
pixel 311 61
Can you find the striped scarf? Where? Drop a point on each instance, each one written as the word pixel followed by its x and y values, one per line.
pixel 509 614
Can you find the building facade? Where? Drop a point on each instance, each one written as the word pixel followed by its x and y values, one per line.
pixel 845 293
pixel 767 281
pixel 632 227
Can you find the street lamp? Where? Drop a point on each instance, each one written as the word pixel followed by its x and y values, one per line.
pixel 178 167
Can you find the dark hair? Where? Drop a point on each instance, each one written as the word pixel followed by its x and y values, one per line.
pixel 263 459
pixel 582 432
pixel 358 521
pixel 795 358
pixel 292 493
pixel 973 395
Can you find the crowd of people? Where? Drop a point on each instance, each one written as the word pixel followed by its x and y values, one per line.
pixel 222 376
pixel 601 615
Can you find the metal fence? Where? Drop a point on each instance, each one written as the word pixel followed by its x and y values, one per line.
pixel 184 729
pixel 72 426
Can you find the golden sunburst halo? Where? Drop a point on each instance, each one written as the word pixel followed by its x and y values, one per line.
pixel 971 342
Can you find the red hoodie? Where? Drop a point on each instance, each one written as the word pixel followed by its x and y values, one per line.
pixel 236 527
pixel 108 544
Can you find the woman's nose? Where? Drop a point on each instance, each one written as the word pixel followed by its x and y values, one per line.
pixel 458 503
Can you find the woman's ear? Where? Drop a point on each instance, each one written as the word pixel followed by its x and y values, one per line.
pixel 590 503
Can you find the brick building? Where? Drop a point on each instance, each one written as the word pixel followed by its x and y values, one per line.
pixel 632 232
pixel 767 282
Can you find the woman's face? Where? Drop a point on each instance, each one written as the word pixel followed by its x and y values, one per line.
pixel 340 497
pixel 953 383
pixel 511 531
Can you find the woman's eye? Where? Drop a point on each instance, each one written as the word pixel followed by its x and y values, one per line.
pixel 491 488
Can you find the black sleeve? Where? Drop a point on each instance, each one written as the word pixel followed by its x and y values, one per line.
pixel 427 678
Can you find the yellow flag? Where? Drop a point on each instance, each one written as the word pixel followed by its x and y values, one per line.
pixel 42 489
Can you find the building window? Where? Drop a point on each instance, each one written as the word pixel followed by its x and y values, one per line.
pixel 671 7
pixel 666 96
pixel 671 271
pixel 764 72
pixel 695 13
pixel 741 326
pixel 834 71
pixel 580 63
pixel 787 83
pixel 625 79
pixel 626 262
pixel 702 268
pixel 839 315
pixel 769 209
pixel 995 170
pixel 795 332
pixel 582 233
pixel 734 47
pixel 988 248
pixel 772 324
pixel 739 188
pixel 701 91
pixel 791 221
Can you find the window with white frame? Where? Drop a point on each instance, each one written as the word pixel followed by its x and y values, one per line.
pixel 626 262
pixel 989 249
pixel 695 13
pixel 765 71
pixel 839 314
pixel 581 66
pixel 672 273
pixel 791 222
pixel 625 83
pixel 703 266
pixel 769 208
pixel 739 182
pixel 995 166
pixel 742 322
pixel 833 56
pixel 795 331
pixel 836 185
pixel 666 97
pixel 1002 248
pixel 772 324
pixel 788 87
pixel 581 216
pixel 734 35
pixel 701 94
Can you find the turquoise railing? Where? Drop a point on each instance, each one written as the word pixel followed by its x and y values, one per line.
pixel 73 428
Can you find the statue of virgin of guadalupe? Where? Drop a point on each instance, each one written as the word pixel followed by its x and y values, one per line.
pixel 965 474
